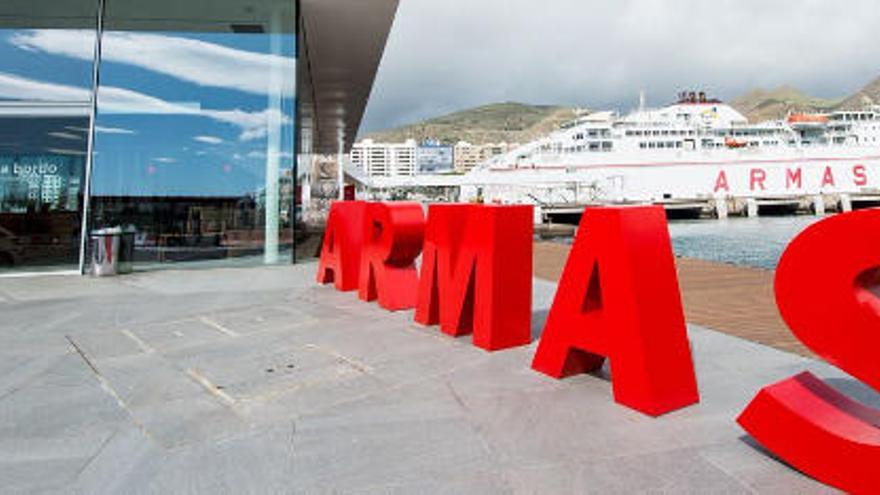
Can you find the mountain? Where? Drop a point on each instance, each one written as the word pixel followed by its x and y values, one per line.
pixel 518 122
pixel 499 122
pixel 869 95
pixel 760 105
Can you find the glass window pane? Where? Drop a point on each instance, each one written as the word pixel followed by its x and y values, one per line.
pixel 46 65
pixel 194 143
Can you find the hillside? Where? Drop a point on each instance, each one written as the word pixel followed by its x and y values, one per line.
pixel 499 122
pixel 517 122
pixel 869 95
pixel 760 105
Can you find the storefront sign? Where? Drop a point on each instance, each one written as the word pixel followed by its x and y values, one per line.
pixel 619 299
pixel 476 274
pixel 393 234
pixel 37 181
pixel 826 292
pixel 343 242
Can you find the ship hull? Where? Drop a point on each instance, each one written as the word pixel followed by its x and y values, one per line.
pixel 686 175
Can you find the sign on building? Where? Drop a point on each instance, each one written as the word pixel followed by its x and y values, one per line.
pixel 43 181
pixel 433 158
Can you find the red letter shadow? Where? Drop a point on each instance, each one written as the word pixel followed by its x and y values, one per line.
pixel 393 234
pixel 341 248
pixel 619 298
pixel 476 273
pixel 826 290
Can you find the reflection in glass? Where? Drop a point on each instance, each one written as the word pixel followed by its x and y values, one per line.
pixel 44 121
pixel 194 148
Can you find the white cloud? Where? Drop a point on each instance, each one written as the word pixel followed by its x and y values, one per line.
pixel 66 135
pixel 63 151
pixel 261 155
pixel 165 159
pixel 208 139
pixel 444 56
pixel 18 88
pixel 253 134
pixel 195 61
pixel 113 130
pixel 113 100
pixel 253 125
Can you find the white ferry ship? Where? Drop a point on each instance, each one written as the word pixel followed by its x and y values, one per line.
pixel 697 148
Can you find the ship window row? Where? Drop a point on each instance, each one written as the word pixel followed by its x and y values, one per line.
pixel 667 132
pixel 751 144
pixel 662 144
pixel 853 116
pixel 748 132
pixel 595 146
pixel 593 134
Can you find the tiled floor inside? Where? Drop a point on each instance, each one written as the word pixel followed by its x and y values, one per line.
pixel 258 381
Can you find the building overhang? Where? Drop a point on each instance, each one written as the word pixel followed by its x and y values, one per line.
pixel 341 45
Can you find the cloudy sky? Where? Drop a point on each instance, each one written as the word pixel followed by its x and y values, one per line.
pixel 448 55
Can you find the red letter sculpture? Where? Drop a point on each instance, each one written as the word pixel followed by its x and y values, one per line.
pixel 826 290
pixel 393 234
pixel 618 298
pixel 477 273
pixel 341 249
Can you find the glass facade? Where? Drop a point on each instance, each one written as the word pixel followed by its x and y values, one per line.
pixel 45 102
pixel 192 133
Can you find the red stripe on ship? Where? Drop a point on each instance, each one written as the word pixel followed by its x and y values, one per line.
pixel 678 164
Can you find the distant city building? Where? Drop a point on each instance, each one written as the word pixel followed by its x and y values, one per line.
pixel 468 156
pixel 385 159
pixel 433 157
pixel 430 157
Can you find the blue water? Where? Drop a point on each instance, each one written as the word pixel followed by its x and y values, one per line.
pixel 757 242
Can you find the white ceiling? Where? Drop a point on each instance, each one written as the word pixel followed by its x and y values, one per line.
pixel 344 41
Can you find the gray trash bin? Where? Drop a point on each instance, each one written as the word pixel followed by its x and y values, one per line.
pixel 105 251
pixel 112 251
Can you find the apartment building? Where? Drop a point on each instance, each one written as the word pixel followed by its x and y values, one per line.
pixel 385 159
pixel 467 155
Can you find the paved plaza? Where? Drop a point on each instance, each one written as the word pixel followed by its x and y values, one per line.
pixel 259 381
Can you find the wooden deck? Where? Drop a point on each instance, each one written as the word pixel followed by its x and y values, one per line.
pixel 732 299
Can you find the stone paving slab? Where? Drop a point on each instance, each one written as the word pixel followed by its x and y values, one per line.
pixel 185 382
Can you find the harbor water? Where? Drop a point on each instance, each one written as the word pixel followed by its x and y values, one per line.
pixel 756 242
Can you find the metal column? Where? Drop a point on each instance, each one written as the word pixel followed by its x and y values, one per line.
pixel 273 141
pixel 90 149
